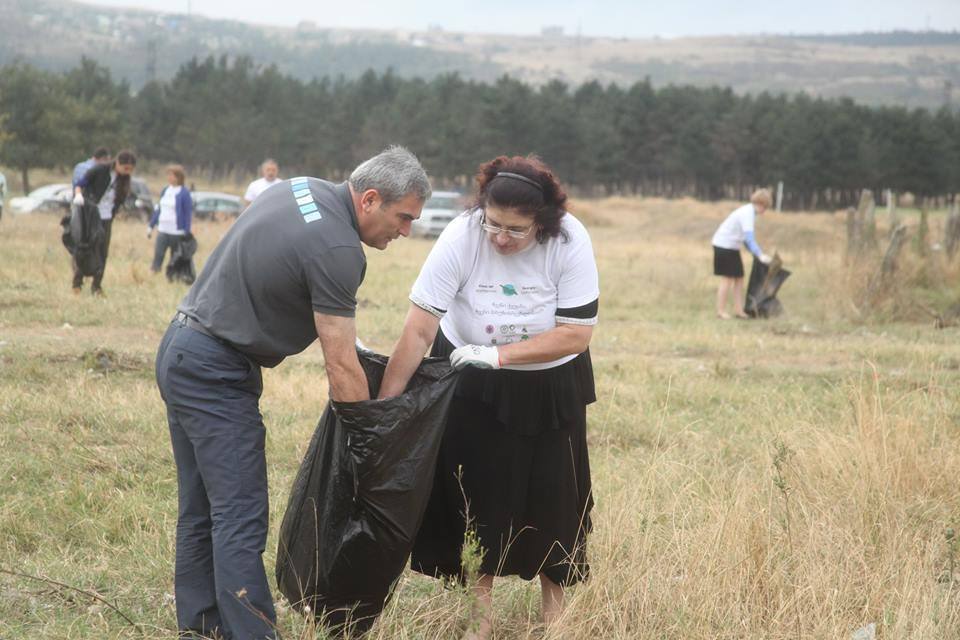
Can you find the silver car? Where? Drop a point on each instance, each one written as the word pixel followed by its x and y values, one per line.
pixel 438 211
pixel 53 197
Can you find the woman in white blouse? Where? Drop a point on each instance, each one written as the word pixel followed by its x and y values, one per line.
pixel 172 216
pixel 510 293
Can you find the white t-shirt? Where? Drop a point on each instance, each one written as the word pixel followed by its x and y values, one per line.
pixel 491 299
pixel 109 196
pixel 168 212
pixel 259 186
pixel 733 231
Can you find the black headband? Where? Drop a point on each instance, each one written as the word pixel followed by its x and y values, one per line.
pixel 517 176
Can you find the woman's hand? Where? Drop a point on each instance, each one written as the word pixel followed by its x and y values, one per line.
pixel 475 355
pixel 419 330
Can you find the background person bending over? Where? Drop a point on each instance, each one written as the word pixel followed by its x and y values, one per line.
pixel 172 216
pixel 100 156
pixel 107 186
pixel 737 230
pixel 509 291
pixel 270 173
pixel 286 273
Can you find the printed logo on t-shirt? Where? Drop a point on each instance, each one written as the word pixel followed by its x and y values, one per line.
pixel 508 290
pixel 304 198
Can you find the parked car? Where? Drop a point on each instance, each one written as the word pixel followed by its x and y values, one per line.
pixel 438 211
pixel 52 198
pixel 214 205
pixel 139 204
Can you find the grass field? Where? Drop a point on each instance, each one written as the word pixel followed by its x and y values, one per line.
pixel 792 478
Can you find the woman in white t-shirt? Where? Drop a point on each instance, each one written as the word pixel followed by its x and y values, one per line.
pixel 172 217
pixel 735 231
pixel 510 293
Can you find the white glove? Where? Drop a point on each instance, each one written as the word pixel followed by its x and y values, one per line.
pixel 149 231
pixel 78 199
pixel 475 355
pixel 765 259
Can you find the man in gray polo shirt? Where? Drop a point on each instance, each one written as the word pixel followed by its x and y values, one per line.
pixel 286 273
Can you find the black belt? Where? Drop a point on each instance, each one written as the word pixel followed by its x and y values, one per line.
pixel 190 323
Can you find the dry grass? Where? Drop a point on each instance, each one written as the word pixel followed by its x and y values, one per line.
pixel 785 479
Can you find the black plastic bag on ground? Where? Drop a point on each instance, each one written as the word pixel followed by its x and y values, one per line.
pixel 360 495
pixel 765 282
pixel 180 266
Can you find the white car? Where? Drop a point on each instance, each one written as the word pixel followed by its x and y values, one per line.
pixel 215 205
pixel 53 197
pixel 438 211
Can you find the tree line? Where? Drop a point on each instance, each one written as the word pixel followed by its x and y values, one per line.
pixel 224 116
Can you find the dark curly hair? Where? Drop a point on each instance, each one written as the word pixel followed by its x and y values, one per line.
pixel 121 185
pixel 532 190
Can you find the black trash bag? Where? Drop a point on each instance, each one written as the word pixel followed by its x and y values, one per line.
pixel 765 282
pixel 83 237
pixel 180 266
pixel 65 235
pixel 360 495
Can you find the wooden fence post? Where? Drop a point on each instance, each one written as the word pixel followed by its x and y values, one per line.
pixel 923 233
pixel 881 279
pixel 853 235
pixel 892 218
pixel 866 212
pixel 951 233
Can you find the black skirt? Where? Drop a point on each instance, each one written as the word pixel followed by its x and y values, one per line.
pixel 727 262
pixel 519 474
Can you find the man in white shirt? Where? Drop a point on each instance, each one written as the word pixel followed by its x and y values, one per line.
pixel 271 176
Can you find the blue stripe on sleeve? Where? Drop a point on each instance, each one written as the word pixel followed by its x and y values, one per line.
pixel 751 243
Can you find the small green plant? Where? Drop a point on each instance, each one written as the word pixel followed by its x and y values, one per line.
pixel 949 575
pixel 471 554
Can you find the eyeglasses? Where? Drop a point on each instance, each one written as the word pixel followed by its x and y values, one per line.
pixel 496 229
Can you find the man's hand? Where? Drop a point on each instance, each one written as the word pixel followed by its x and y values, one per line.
pixel 474 355
pixel 149 231
pixel 78 199
pixel 765 259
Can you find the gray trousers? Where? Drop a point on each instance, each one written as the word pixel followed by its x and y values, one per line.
pixel 164 241
pixel 212 393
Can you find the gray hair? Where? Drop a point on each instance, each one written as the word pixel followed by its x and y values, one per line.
pixel 394 173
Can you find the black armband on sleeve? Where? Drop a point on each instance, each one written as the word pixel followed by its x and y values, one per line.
pixel 585 314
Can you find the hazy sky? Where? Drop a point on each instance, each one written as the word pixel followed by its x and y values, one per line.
pixel 630 18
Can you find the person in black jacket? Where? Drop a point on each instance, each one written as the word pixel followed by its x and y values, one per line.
pixel 106 186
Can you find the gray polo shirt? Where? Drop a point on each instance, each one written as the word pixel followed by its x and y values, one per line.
pixel 294 251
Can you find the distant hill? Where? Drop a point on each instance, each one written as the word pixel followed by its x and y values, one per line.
pixel 913 69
